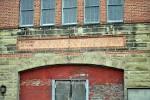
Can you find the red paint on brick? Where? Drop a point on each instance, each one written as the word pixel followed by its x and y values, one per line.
pixel 36 84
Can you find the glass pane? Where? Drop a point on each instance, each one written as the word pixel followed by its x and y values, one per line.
pixel 48 4
pixel 115 2
pixel 62 90
pixel 69 15
pixel 27 18
pixel 69 3
pixel 78 90
pixel 139 94
pixel 92 2
pixel 91 14
pixel 48 16
pixel 26 4
pixel 115 13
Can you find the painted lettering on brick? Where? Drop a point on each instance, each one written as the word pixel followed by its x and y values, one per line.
pixel 72 43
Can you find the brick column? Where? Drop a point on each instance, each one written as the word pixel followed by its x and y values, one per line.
pixel 103 11
pixel 80 12
pixel 37 14
pixel 58 13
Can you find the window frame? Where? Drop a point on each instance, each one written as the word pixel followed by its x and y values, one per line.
pixel 63 14
pixel 20 17
pixel 115 21
pixel 53 85
pixel 98 14
pixel 41 21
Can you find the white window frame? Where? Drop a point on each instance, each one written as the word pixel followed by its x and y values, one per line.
pixel 54 86
pixel 20 23
pixel 50 24
pixel 63 14
pixel 115 21
pixel 98 15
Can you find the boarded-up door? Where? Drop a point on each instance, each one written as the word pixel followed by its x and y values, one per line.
pixel 70 90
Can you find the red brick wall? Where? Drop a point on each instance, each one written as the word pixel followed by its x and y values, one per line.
pixel 9 13
pixel 134 11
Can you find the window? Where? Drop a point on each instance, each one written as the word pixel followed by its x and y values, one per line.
pixel 69 11
pixel 138 94
pixel 26 13
pixel 91 11
pixel 48 12
pixel 70 90
pixel 115 10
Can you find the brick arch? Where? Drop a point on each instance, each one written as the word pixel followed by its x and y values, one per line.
pixel 68 64
pixel 95 58
pixel 37 82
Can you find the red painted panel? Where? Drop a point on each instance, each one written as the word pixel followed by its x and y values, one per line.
pixel 35 84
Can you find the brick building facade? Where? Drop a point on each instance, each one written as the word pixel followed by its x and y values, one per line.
pixel 101 46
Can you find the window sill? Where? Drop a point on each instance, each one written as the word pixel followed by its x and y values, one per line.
pixel 115 21
pixel 26 25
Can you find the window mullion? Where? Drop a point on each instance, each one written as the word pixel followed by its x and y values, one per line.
pixel 91 6
pixel 48 8
pixel 26 9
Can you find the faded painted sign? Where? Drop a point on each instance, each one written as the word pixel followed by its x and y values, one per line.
pixel 63 43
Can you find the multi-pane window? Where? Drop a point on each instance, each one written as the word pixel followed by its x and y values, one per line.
pixel 139 94
pixel 70 90
pixel 48 12
pixel 91 11
pixel 26 12
pixel 69 11
pixel 115 10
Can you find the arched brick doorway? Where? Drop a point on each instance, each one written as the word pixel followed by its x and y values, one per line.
pixel 71 82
